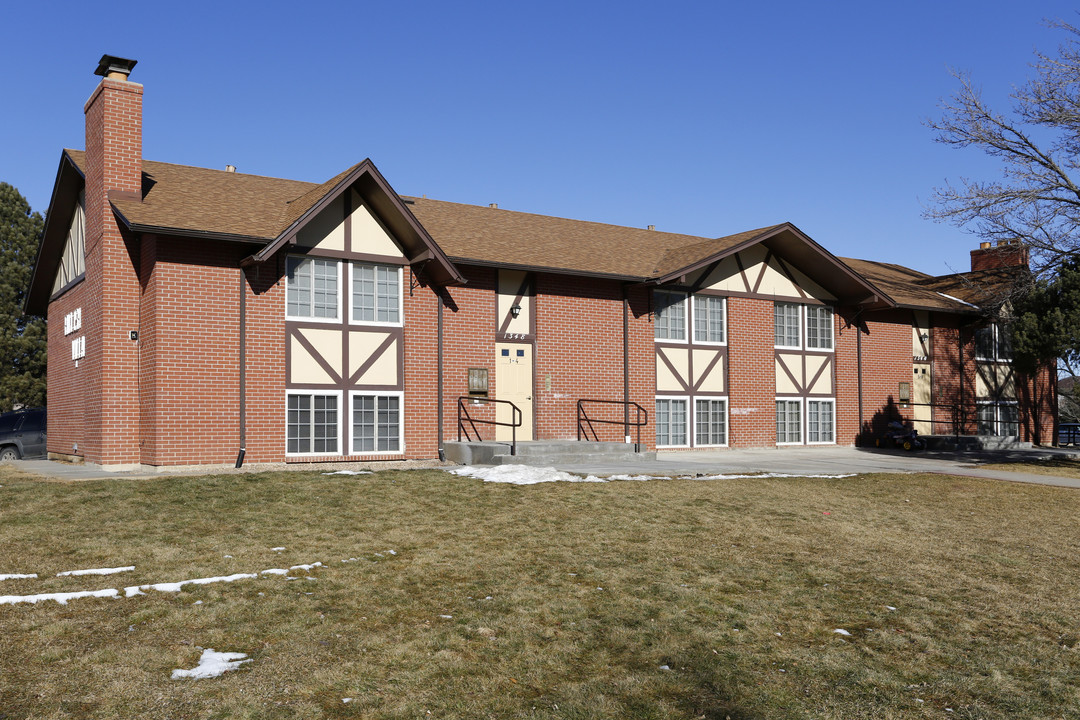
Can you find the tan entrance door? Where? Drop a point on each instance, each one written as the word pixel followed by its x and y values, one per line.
pixel 920 396
pixel 513 382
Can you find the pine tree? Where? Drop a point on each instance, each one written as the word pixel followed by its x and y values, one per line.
pixel 22 337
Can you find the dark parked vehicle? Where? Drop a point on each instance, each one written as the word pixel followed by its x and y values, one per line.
pixel 22 434
pixel 1069 434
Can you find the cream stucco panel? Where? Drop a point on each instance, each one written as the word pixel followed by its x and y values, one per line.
pixel 368 235
pixel 72 261
pixel 326 230
pixel 920 326
pixel 667 381
pixel 714 380
pixel 384 370
pixel 725 277
pixel 784 384
pixel 810 287
pixel 303 367
pixel 510 282
pixel 823 385
pixel 1004 384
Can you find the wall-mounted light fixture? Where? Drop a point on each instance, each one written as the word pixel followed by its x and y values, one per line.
pixel 515 310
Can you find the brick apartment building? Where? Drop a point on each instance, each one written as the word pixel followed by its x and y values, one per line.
pixel 194 313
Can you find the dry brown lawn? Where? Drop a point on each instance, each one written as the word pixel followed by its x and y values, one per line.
pixel 662 599
pixel 1058 466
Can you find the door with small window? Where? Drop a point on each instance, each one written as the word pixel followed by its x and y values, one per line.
pixel 514 382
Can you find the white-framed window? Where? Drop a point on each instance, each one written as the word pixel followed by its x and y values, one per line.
pixel 998 418
pixel 787 322
pixel 312 424
pixel 376 294
pixel 672 423
pixel 710 422
pixel 669 309
pixel 993 343
pixel 788 422
pixel 820 421
pixel 377 423
pixel 311 288
pixel 819 327
pixel 710 319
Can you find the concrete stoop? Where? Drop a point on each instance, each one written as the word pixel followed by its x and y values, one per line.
pixel 542 452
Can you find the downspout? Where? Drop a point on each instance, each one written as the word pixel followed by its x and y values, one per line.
pixel 858 362
pixel 243 369
pixel 626 363
pixel 439 380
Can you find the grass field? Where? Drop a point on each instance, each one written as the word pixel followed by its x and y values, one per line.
pixel 661 599
pixel 1059 466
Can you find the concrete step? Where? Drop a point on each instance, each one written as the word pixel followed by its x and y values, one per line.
pixel 973 443
pixel 541 452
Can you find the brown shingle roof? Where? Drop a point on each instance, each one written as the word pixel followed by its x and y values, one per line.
pixel 185 199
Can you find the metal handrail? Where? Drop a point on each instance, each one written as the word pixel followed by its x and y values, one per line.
pixel 463 415
pixel 958 421
pixel 641 419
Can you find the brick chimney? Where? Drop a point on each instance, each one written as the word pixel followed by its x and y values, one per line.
pixel 110 378
pixel 1007 253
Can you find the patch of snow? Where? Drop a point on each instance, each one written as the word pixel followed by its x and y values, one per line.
pixel 213 664
pixel 278 549
pixel 229 556
pixel 97 571
pixel 275 571
pixel 198 602
pixel 520 474
pixel 962 302
pixel 664 667
pixel 640 478
pixel 17 576
pixel 392 552
pixel 346 700
pixel 841 631
pixel 175 586
pixel 61 598
pixel 890 607
pixel 349 472
pixel 447 617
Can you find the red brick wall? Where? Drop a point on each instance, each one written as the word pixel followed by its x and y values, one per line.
pixel 66 393
pixel 421 306
pixel 848 329
pixel 265 335
pixel 886 362
pixel 752 375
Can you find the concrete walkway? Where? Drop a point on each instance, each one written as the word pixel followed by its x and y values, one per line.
pixel 793 461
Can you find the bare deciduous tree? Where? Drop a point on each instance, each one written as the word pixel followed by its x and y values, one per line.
pixel 1037 199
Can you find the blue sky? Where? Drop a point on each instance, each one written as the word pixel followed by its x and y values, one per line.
pixel 706 118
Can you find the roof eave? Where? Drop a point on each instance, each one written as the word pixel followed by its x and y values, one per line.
pixel 69 180
pixel 462 260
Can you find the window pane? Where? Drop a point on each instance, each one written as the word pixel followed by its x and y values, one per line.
pixel 819 421
pixel 708 318
pixel 388 424
pixel 819 330
pixel 711 425
pixel 298 287
pixel 985 419
pixel 670 320
pixel 1004 345
pixel 364 293
pixel 324 282
pixel 788 421
pixel 388 289
pixel 984 343
pixel 786 319
pixel 363 423
pixel 671 422
pixel 1010 419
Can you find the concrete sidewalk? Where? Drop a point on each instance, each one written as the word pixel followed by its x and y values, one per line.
pixel 794 461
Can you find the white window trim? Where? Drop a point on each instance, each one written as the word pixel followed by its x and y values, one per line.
pixel 802 419
pixel 806 420
pixel 400 395
pixel 340 429
pixel 686 318
pixel 806 329
pixel 996 404
pixel 689 421
pixel 727 420
pixel 693 323
pixel 400 297
pixel 311 318
pixel 995 345
pixel 802 326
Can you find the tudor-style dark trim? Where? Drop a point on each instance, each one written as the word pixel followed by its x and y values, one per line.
pixel 70 286
pixel 381 200
pixel 65 195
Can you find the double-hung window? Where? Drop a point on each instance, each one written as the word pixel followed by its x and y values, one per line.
pixel 820 421
pixel 311 425
pixel 670 311
pixel 788 421
pixel 993 343
pixel 709 319
pixel 819 327
pixel 311 288
pixel 671 422
pixel 710 422
pixel 787 324
pixel 376 423
pixel 376 294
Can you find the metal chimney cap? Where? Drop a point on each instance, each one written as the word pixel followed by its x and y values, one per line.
pixel 110 66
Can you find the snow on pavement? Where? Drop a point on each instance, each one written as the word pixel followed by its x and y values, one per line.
pixel 212 664
pixel 528 475
pixel 97 571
